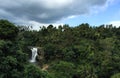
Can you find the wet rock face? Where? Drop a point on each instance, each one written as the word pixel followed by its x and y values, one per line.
pixel 40 51
pixel 40 56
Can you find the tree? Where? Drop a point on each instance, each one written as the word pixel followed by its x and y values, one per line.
pixel 32 71
pixel 8 30
pixel 12 59
pixel 116 75
pixel 62 69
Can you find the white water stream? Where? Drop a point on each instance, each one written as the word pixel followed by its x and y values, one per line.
pixel 34 54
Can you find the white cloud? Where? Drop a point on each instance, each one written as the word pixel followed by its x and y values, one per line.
pixel 115 23
pixel 56 4
pixel 70 17
pixel 36 25
pixel 46 11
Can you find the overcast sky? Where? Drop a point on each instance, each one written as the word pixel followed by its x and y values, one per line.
pixel 72 12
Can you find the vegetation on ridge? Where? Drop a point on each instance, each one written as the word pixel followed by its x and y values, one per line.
pixel 71 52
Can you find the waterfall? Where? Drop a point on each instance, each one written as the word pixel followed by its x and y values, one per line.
pixel 34 54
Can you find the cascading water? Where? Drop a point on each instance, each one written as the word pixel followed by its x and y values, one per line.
pixel 34 54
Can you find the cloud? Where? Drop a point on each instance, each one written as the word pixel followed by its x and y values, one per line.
pixel 46 11
pixel 36 25
pixel 115 23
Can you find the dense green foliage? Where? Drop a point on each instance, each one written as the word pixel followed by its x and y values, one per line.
pixel 70 52
pixel 116 75
pixel 13 61
pixel 7 30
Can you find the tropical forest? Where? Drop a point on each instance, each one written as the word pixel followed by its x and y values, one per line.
pixel 82 51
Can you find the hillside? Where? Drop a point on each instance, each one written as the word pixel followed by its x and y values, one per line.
pixel 82 51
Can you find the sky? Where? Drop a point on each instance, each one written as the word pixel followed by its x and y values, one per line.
pixel 37 13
